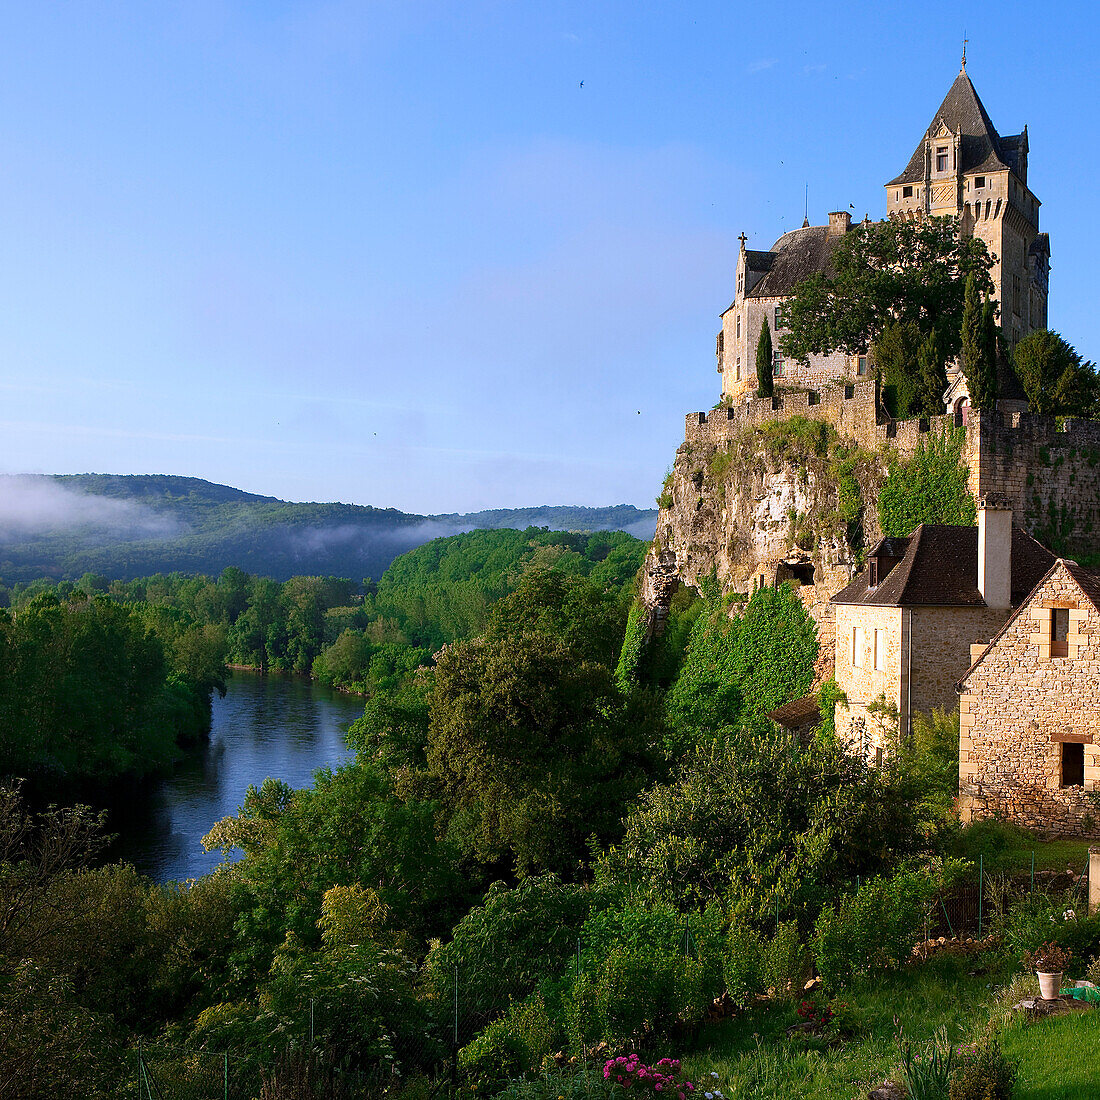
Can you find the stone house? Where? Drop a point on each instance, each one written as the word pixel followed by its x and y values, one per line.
pixel 905 625
pixel 1029 721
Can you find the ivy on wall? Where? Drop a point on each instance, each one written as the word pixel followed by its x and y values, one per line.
pixel 930 487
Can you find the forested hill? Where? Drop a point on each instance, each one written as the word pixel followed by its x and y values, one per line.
pixel 125 526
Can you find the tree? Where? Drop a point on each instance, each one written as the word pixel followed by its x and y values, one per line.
pixel 765 384
pixel 1055 378
pixel 532 750
pixel 760 825
pixel 883 272
pixel 979 346
pixel 895 353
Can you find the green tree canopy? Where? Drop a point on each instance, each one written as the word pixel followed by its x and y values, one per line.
pixel 882 272
pixel 1055 378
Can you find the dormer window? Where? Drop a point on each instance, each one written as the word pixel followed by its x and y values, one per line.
pixel 872 579
pixel 979 182
pixel 941 158
pixel 907 192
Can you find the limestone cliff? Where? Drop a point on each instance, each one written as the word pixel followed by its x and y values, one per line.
pixel 782 500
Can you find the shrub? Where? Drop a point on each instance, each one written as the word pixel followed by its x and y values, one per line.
pixel 562 1084
pixel 634 996
pixel 494 1057
pixel 982 1072
pixel 873 930
pixel 744 963
pixel 785 962
pixel 928 1073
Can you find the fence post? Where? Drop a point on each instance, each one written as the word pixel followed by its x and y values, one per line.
pixel 1094 881
pixel 981 891
pixel 454 1036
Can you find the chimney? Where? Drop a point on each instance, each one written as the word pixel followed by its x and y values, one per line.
pixel 840 222
pixel 995 552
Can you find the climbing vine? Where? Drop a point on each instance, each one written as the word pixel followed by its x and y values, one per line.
pixel 930 487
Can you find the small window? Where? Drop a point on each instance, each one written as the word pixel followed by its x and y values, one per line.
pixel 907 192
pixel 857 647
pixel 979 181
pixel 880 650
pixel 941 159
pixel 1073 765
pixel 1059 632
pixel 739 368
pixel 878 757
pixel 778 317
pixel 777 364
pixel 739 326
pixel 861 366
pixel 872 573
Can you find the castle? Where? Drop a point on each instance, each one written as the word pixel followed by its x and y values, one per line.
pixel 961 168
pixel 908 623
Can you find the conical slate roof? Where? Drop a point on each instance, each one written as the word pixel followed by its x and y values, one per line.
pixel 961 112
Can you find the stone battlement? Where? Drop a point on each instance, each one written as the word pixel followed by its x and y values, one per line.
pixel 853 409
pixel 1047 468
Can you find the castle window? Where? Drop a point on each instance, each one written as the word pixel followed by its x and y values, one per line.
pixel 739 326
pixel 880 650
pixel 1073 764
pixel 777 364
pixel 979 181
pixel 739 368
pixel 872 573
pixel 1059 632
pixel 1016 295
pixel 907 192
pixel 857 647
pixel 941 159
pixel 861 366
pixel 778 317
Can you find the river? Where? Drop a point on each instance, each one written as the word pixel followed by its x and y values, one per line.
pixel 280 726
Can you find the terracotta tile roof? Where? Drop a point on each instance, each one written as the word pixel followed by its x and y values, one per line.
pixel 938 567
pixel 981 147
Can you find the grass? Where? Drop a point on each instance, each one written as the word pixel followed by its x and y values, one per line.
pixel 754 1059
pixel 1007 848
pixel 1059 1058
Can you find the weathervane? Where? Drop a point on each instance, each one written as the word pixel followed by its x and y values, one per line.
pixel 965 40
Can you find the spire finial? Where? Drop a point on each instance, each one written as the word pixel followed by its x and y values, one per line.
pixel 965 40
pixel 742 239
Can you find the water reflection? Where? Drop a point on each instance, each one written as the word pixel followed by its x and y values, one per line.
pixel 265 726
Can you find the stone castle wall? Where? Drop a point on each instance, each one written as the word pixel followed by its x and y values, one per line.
pixel 1048 468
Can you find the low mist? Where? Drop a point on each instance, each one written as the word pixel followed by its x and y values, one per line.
pixel 36 505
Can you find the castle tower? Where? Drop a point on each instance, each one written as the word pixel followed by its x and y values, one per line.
pixel 963 168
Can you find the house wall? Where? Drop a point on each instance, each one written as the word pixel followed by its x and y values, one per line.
pixel 860 729
pixel 1020 705
pixel 942 637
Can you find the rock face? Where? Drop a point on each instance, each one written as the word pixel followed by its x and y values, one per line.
pixel 780 501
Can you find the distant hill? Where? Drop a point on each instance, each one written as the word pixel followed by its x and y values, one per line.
pixel 132 525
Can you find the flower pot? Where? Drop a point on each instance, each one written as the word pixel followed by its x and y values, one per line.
pixel 1049 984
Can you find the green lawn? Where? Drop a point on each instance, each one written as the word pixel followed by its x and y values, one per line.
pixel 754 1058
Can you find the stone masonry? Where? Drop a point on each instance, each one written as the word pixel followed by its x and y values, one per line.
pixel 1021 706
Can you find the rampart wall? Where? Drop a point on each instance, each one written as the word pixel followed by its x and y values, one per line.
pixel 1048 468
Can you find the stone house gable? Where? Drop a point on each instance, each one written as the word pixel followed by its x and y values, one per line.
pixel 1029 711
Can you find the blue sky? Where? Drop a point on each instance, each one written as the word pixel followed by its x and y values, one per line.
pixel 395 253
